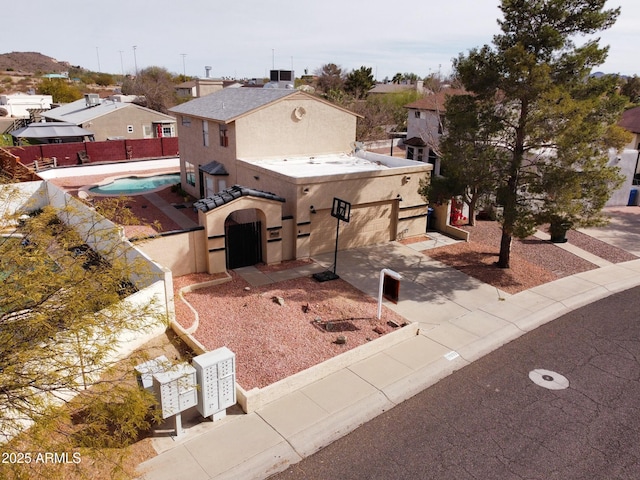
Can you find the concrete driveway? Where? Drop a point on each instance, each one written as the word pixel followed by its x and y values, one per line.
pixel 623 231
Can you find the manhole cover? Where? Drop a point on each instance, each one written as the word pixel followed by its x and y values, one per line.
pixel 548 379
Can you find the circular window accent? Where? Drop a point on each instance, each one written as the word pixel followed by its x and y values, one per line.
pixel 548 379
pixel 299 112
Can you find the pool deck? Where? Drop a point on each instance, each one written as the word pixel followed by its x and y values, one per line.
pixel 149 207
pixel 163 165
pixel 170 211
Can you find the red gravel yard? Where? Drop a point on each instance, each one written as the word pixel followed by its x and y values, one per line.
pixel 280 329
pixel 533 261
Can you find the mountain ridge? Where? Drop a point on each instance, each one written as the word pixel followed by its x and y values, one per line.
pixel 31 62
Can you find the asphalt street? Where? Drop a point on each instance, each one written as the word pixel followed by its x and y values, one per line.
pixel 561 402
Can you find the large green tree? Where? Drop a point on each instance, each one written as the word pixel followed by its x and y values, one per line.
pixel 470 156
pixel 554 120
pixel 60 89
pixel 359 82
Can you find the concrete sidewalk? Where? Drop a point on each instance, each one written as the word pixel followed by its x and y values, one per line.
pixel 461 319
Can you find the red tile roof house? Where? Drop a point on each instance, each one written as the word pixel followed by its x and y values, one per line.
pixel 424 126
pixel 631 122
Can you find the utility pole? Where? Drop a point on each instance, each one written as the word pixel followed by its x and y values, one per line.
pixel 135 60
pixel 98 55
pixel 121 62
pixel 184 70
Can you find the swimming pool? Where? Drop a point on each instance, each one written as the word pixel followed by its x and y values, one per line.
pixel 136 185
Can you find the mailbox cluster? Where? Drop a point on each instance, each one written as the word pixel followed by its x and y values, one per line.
pixel 208 384
pixel 216 374
pixel 176 389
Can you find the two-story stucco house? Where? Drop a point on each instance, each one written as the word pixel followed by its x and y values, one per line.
pixel 424 127
pixel 276 159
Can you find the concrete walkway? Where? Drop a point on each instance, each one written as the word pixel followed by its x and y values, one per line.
pixel 461 319
pixel 170 211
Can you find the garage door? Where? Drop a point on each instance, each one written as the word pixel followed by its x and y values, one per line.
pixel 370 224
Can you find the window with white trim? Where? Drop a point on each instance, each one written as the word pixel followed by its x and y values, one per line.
pixel 224 139
pixel 190 173
pixel 205 133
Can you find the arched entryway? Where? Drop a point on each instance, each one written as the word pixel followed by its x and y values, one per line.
pixel 243 232
pixel 239 205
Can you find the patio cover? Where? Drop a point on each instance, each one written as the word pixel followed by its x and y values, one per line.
pixel 51 130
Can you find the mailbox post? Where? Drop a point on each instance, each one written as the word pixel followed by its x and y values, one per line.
pixel 385 272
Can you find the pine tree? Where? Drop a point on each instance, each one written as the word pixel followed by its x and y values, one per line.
pixel 554 120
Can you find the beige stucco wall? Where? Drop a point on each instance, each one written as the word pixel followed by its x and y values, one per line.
pixel 275 130
pixel 115 123
pixel 192 149
pixel 269 213
pixel 205 86
pixel 634 143
pixel 181 253
pixel 378 187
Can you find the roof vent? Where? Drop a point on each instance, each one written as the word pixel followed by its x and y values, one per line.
pixel 92 99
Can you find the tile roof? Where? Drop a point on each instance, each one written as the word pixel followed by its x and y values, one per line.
pixel 214 168
pixel 631 120
pixel 231 194
pixel 78 112
pixel 229 103
pixel 435 101
pixel 392 88
pixel 51 130
pixel 415 142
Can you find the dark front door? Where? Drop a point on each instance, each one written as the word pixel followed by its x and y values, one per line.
pixel 244 244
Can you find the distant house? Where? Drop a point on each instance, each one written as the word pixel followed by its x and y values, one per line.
pixel 271 161
pixel 22 105
pixel 424 126
pixel 630 121
pixel 186 89
pixel 50 132
pixel 112 119
pixel 199 87
pixel 385 88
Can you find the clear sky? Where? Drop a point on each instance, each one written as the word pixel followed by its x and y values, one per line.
pixel 246 38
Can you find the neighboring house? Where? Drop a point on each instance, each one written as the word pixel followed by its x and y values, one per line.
pixel 271 161
pixel 424 127
pixel 200 87
pixel 50 132
pixel 384 88
pixel 631 121
pixel 112 119
pixel 186 89
pixel 22 105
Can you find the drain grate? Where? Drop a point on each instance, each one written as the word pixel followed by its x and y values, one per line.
pixel 548 379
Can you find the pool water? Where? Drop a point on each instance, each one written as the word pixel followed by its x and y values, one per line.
pixel 136 185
